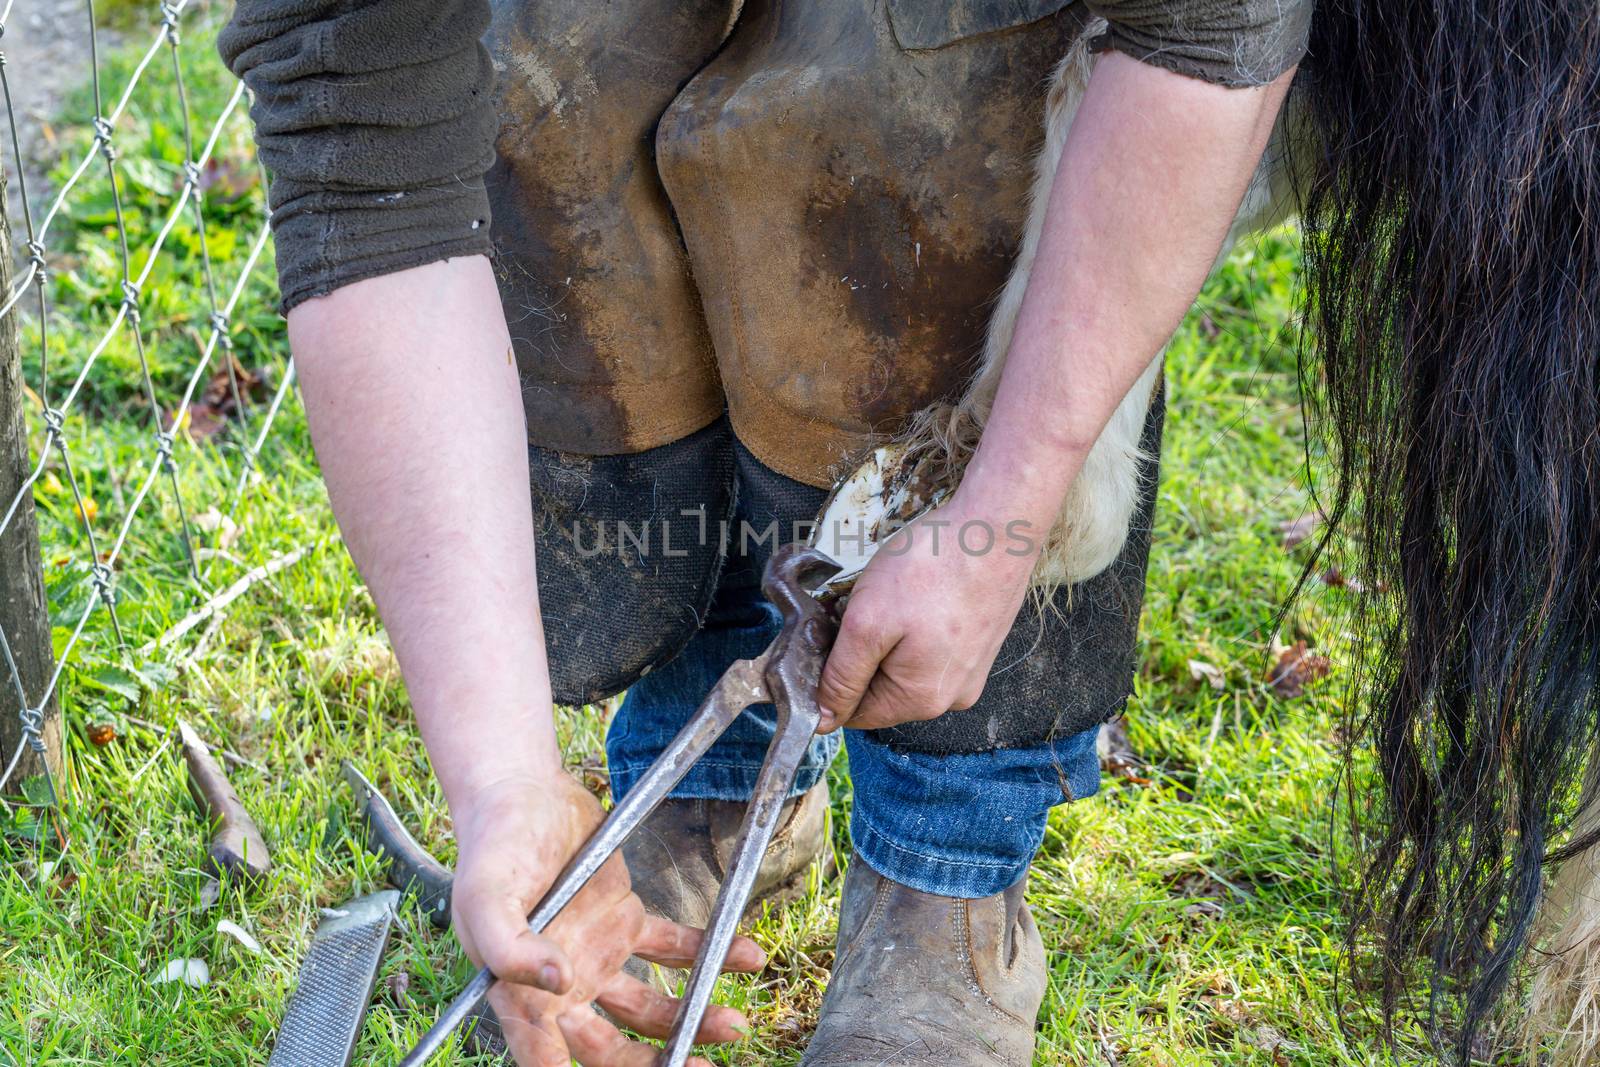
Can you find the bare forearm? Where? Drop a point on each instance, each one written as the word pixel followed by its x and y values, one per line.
pixel 1151 175
pixel 415 411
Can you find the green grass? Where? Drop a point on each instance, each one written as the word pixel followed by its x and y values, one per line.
pixel 1191 918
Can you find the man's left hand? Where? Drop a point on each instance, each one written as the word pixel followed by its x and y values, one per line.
pixel 925 621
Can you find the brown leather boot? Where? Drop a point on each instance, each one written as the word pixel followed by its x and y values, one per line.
pixel 678 857
pixel 929 980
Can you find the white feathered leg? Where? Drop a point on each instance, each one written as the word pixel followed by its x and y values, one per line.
pixel 1564 1002
pixel 1093 523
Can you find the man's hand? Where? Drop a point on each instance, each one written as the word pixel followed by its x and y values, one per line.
pixel 515 838
pixel 926 620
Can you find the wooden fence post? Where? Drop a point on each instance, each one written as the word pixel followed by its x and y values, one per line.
pixel 23 614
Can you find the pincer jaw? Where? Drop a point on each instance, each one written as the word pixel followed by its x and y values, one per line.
pixel 809 626
pixel 793 574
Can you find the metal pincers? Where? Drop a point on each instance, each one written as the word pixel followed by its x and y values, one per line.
pixel 786 675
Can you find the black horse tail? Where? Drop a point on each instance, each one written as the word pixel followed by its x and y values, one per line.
pixel 1452 257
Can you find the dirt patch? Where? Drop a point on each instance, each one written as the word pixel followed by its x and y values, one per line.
pixel 46 48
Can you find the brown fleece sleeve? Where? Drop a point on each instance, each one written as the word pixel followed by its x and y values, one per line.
pixel 1236 43
pixel 376 123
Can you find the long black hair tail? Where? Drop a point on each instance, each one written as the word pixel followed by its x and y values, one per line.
pixel 1452 256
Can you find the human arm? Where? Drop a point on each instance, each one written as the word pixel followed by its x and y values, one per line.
pixel 415 411
pixel 376 122
pixel 1151 175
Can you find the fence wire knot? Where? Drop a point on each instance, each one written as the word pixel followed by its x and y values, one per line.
pixel 169 20
pixel 222 325
pixel 100 575
pixel 164 442
pixel 36 259
pixel 102 137
pixel 33 728
pixel 191 177
pixel 130 299
pixel 54 421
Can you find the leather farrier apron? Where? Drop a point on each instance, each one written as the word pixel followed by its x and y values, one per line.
pixel 735 248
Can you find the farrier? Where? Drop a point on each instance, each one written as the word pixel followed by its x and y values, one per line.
pixel 735 246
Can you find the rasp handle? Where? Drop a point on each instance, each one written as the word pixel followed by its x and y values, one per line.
pixel 236 849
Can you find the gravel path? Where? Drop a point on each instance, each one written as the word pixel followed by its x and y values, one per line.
pixel 46 48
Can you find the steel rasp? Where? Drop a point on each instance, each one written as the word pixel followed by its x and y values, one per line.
pixel 324 1017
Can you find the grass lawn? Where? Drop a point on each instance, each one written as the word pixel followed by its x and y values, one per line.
pixel 1190 909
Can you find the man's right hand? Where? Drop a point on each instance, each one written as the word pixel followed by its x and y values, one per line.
pixel 515 836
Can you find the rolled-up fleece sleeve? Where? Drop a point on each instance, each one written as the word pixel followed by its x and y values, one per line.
pixel 1236 43
pixel 376 122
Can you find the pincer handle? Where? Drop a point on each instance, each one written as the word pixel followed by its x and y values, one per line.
pixel 786 673
pixel 740 686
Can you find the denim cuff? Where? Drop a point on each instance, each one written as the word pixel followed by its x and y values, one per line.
pixel 962 825
pixel 928 872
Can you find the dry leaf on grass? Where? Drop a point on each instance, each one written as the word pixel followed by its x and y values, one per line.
pixel 200 421
pixel 399 984
pixel 191 972
pixel 218 392
pixel 213 521
pixel 594 776
pixel 217 404
pixel 1297 530
pixel 1209 673
pixel 1269 1040
pixel 1336 578
pixel 1296 668
pixel 102 733
pixel 1117 756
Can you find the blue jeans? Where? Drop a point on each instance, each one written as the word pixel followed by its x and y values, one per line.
pixel 958 826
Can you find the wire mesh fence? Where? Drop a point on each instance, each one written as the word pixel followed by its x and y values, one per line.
pixel 141 297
